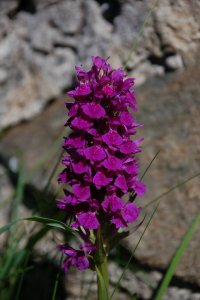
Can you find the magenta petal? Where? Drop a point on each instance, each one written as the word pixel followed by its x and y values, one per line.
pixel 109 90
pixel 128 147
pixel 130 212
pixel 88 220
pixel 66 264
pixel 79 167
pixel 81 192
pixel 77 142
pixel 112 138
pixel 62 177
pixel 95 153
pixel 115 203
pixel 82 90
pixel 101 180
pixel 117 75
pixel 120 182
pixel 80 123
pixel 99 62
pixel 82 263
pixel 105 204
pixel 73 110
pixel 112 163
pixel 140 188
pixel 93 110
pixel 81 73
pixel 126 118
pixel 119 222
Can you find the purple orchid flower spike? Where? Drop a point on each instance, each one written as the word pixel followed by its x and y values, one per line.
pixel 100 162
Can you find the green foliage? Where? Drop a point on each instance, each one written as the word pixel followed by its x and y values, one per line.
pixel 176 258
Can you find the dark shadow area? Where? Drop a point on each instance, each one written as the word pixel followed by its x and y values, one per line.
pixel 27 5
pixel 161 61
pixel 111 9
pixel 37 200
pixel 38 283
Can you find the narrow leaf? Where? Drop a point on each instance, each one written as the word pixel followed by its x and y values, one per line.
pixel 8 226
pixel 176 258
pixel 53 172
pixel 50 222
pixel 149 165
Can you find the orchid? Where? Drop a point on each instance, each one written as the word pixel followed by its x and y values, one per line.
pixel 100 164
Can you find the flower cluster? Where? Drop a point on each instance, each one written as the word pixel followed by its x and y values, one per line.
pixel 100 162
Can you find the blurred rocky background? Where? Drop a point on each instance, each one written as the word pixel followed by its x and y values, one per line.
pixel 159 41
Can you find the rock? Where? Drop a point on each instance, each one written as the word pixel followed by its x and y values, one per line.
pixel 43 136
pixel 166 32
pixel 146 70
pixel 178 26
pixel 36 79
pixel 39 49
pixel 174 62
pixel 7 7
pixel 3 76
pixel 67 16
pixel 175 293
pixel 169 111
pixel 81 284
pixel 96 35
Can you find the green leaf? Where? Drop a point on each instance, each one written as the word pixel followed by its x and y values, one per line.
pixel 176 258
pixel 8 226
pixel 51 222
pixel 48 221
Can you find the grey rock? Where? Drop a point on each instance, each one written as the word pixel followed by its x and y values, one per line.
pixel 34 81
pixel 96 35
pixel 174 293
pixel 3 76
pixel 7 6
pixel 31 54
pixel 169 110
pixel 146 70
pixel 174 62
pixel 67 16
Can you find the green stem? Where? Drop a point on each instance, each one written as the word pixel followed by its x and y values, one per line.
pixel 101 268
pixel 102 279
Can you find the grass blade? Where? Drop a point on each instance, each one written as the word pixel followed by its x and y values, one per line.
pixel 50 222
pixel 8 226
pixel 57 280
pixel 170 190
pixel 176 258
pixel 53 172
pixel 149 165
pixel 131 257
pixel 133 196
